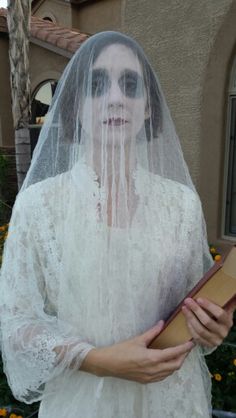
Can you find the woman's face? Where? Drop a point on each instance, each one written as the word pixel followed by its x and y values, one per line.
pixel 115 102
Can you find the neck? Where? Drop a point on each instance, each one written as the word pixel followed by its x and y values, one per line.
pixel 116 163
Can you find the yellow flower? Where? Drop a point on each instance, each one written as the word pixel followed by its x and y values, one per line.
pixel 19 416
pixel 212 250
pixel 13 416
pixel 217 257
pixel 234 361
pixel 218 377
pixel 3 412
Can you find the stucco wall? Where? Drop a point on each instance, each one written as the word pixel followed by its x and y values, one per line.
pixel 44 65
pixel 57 10
pixel 97 16
pixel 179 37
pixel 89 17
pixel 6 122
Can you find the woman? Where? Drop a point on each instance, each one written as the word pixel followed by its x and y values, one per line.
pixel 106 237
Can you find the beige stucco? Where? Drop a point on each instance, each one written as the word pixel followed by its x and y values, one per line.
pixel 97 16
pixel 191 45
pixel 88 17
pixel 44 65
pixel 6 122
pixel 58 10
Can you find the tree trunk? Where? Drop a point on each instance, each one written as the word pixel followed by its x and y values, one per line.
pixel 18 19
pixel 23 151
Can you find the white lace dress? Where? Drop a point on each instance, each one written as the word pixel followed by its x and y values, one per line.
pixel 57 299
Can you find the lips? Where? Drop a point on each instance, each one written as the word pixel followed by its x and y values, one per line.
pixel 115 121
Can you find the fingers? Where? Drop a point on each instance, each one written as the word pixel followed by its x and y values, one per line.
pixel 207 322
pixel 163 363
pixel 198 332
pixel 168 354
pixel 162 370
pixel 149 335
pixel 173 365
pixel 220 314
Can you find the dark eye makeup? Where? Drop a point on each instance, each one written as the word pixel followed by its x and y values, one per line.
pixel 100 82
pixel 130 83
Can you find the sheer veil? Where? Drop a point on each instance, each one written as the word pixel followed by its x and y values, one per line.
pixel 107 232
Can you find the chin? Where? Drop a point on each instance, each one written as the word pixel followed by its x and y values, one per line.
pixel 114 137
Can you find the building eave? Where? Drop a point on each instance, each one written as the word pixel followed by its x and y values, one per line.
pixel 61 40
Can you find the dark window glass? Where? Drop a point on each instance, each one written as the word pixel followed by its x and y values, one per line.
pixel 49 19
pixel 41 101
pixel 230 225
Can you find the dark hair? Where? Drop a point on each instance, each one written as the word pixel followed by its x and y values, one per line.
pixel 87 54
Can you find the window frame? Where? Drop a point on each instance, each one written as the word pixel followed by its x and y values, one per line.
pixel 225 234
pixel 34 126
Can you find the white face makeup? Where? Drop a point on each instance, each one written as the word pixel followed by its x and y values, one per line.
pixel 117 96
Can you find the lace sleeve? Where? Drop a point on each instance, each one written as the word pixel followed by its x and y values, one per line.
pixel 36 346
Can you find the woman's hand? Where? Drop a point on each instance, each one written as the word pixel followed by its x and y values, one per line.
pixel 132 360
pixel 207 322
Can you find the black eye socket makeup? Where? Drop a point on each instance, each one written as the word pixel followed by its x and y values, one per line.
pixel 130 83
pixel 100 83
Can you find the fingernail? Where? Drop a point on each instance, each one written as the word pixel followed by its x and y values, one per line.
pixel 188 300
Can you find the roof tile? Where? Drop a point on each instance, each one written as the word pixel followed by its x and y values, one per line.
pixel 64 38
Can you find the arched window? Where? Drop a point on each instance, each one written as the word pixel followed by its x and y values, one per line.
pixel 48 16
pixel 229 227
pixel 41 100
pixel 49 19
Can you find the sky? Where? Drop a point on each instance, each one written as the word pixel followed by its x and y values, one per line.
pixel 3 3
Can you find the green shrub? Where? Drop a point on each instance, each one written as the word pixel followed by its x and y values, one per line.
pixel 222 365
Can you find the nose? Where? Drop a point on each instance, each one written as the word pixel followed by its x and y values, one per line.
pixel 115 96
